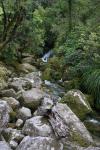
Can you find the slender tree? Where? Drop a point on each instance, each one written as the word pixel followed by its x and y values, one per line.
pixel 70 14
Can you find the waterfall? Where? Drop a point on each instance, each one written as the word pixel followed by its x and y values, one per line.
pixel 47 56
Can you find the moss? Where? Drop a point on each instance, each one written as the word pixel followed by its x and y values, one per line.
pixel 55 63
pixel 47 74
pixel 76 104
pixel 11 125
pixel 13 116
pixel 3 76
pixel 24 68
pixel 79 140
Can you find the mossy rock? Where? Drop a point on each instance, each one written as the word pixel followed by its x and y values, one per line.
pixel 47 74
pixel 50 74
pixel 56 75
pixel 13 115
pixel 78 103
pixel 77 138
pixel 55 62
pixel 3 76
pixel 72 84
pixel 11 125
pixel 52 69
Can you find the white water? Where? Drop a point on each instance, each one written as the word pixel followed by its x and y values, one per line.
pixel 94 121
pixel 47 56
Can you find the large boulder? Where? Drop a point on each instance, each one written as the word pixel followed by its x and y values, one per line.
pixel 4 116
pixel 32 98
pixel 78 103
pixel 7 114
pixel 34 78
pixel 28 59
pixel 66 124
pixel 12 102
pixel 24 113
pixel 12 134
pixel 13 144
pixel 8 93
pixel 4 73
pixel 24 67
pixel 37 126
pixel 20 83
pixel 4 146
pixel 27 82
pixel 39 143
pixel 46 105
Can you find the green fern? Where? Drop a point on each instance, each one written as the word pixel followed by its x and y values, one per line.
pixel 91 83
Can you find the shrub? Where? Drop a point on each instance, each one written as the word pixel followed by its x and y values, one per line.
pixel 91 83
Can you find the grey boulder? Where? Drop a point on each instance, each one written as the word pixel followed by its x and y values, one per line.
pixel 20 83
pixel 32 98
pixel 12 135
pixel 24 113
pixel 4 116
pixel 37 126
pixel 39 143
pixel 66 124
pixel 4 146
pixel 13 103
pixel 34 78
pixel 8 93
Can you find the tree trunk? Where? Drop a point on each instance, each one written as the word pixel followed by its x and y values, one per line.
pixel 70 14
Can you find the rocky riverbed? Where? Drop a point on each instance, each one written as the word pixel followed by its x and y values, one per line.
pixel 40 115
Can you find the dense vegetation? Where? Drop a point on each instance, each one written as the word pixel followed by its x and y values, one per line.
pixel 71 28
